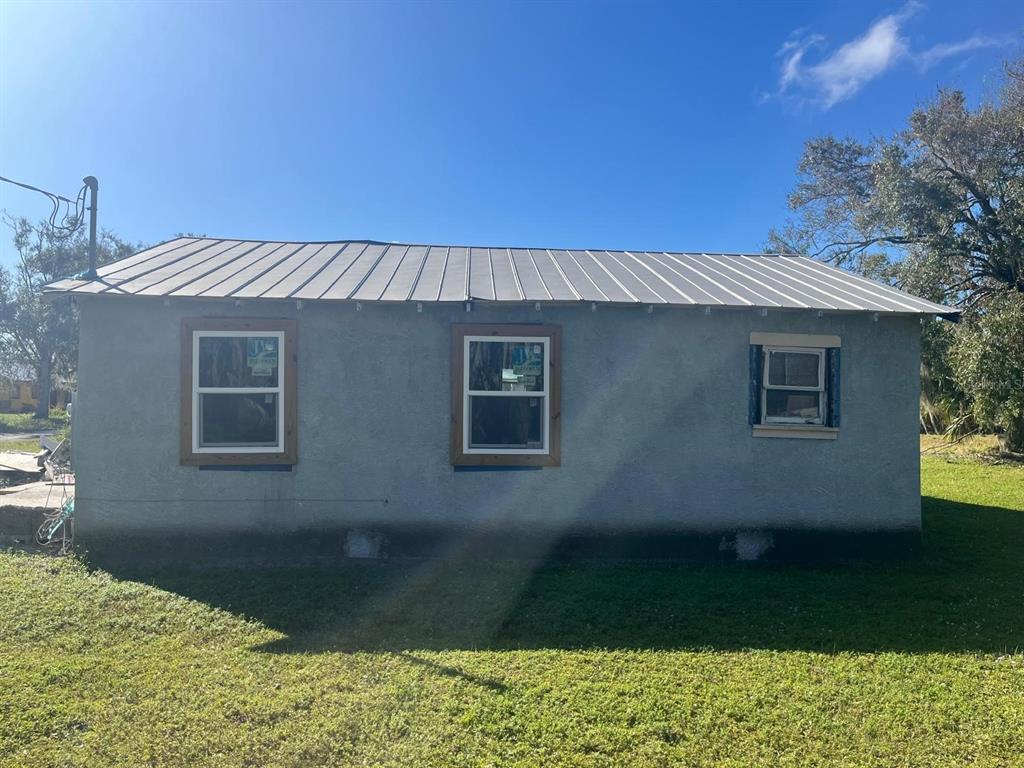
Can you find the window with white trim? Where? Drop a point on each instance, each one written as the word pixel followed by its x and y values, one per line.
pixel 793 386
pixel 505 404
pixel 238 399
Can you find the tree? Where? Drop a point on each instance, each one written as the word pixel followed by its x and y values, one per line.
pixel 937 209
pixel 951 186
pixel 38 333
pixel 988 361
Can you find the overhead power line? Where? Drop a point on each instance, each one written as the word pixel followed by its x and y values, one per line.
pixel 67 215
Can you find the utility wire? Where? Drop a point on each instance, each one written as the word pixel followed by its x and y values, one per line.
pixel 51 195
pixel 71 218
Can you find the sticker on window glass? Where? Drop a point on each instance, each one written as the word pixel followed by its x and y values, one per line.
pixel 262 356
pixel 528 360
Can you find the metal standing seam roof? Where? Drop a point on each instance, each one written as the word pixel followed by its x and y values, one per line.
pixel 370 271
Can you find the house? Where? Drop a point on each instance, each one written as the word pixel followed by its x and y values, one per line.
pixel 21 395
pixel 367 388
pixel 19 392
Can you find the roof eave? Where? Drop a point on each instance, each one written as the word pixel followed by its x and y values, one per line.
pixel 948 313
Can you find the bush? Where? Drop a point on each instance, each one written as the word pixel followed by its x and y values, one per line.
pixel 988 364
pixel 59 416
pixel 944 406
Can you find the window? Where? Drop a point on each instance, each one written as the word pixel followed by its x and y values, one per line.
pixel 794 386
pixel 238 391
pixel 505 395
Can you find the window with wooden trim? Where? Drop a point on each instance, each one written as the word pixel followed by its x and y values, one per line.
pixel 238 391
pixel 506 395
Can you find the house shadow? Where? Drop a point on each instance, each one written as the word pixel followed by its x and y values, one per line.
pixel 964 591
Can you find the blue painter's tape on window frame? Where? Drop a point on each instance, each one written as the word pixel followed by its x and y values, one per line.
pixel 494 468
pixel 756 369
pixel 832 373
pixel 246 467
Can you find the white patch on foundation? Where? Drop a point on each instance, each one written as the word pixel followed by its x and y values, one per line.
pixel 364 544
pixel 748 545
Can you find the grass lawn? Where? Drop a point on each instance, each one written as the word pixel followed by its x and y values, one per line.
pixel 467 663
pixel 27 422
pixel 24 446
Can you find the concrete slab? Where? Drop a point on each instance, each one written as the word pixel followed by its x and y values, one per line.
pixel 18 462
pixel 38 495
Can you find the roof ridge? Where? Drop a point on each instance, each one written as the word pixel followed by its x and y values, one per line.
pixel 411 244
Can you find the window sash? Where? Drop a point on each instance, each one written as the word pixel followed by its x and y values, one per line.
pixel 237 390
pixel 543 394
pixel 197 447
pixel 766 419
pixel 798 350
pixel 820 389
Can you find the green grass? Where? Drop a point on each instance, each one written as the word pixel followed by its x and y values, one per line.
pixel 459 662
pixel 27 422
pixel 24 446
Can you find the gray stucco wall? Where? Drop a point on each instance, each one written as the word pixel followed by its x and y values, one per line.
pixel 654 426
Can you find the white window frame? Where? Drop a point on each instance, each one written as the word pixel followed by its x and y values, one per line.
pixel 820 389
pixel 467 393
pixel 279 390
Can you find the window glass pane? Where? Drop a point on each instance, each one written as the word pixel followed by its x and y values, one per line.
pixel 792 404
pixel 510 366
pixel 238 361
pixel 506 422
pixel 237 420
pixel 793 369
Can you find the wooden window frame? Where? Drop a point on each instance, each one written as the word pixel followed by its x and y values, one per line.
pixel 551 457
pixel 288 382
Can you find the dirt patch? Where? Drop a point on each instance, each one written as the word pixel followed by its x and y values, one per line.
pixel 981 448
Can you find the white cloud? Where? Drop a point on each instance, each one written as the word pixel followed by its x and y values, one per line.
pixel 844 72
pixel 929 58
pixel 847 70
pixel 793 53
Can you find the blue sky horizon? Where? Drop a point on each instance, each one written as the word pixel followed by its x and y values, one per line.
pixel 637 126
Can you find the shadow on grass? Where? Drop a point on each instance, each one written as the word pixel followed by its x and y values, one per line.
pixel 965 592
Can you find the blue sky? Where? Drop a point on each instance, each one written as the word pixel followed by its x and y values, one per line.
pixel 640 125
